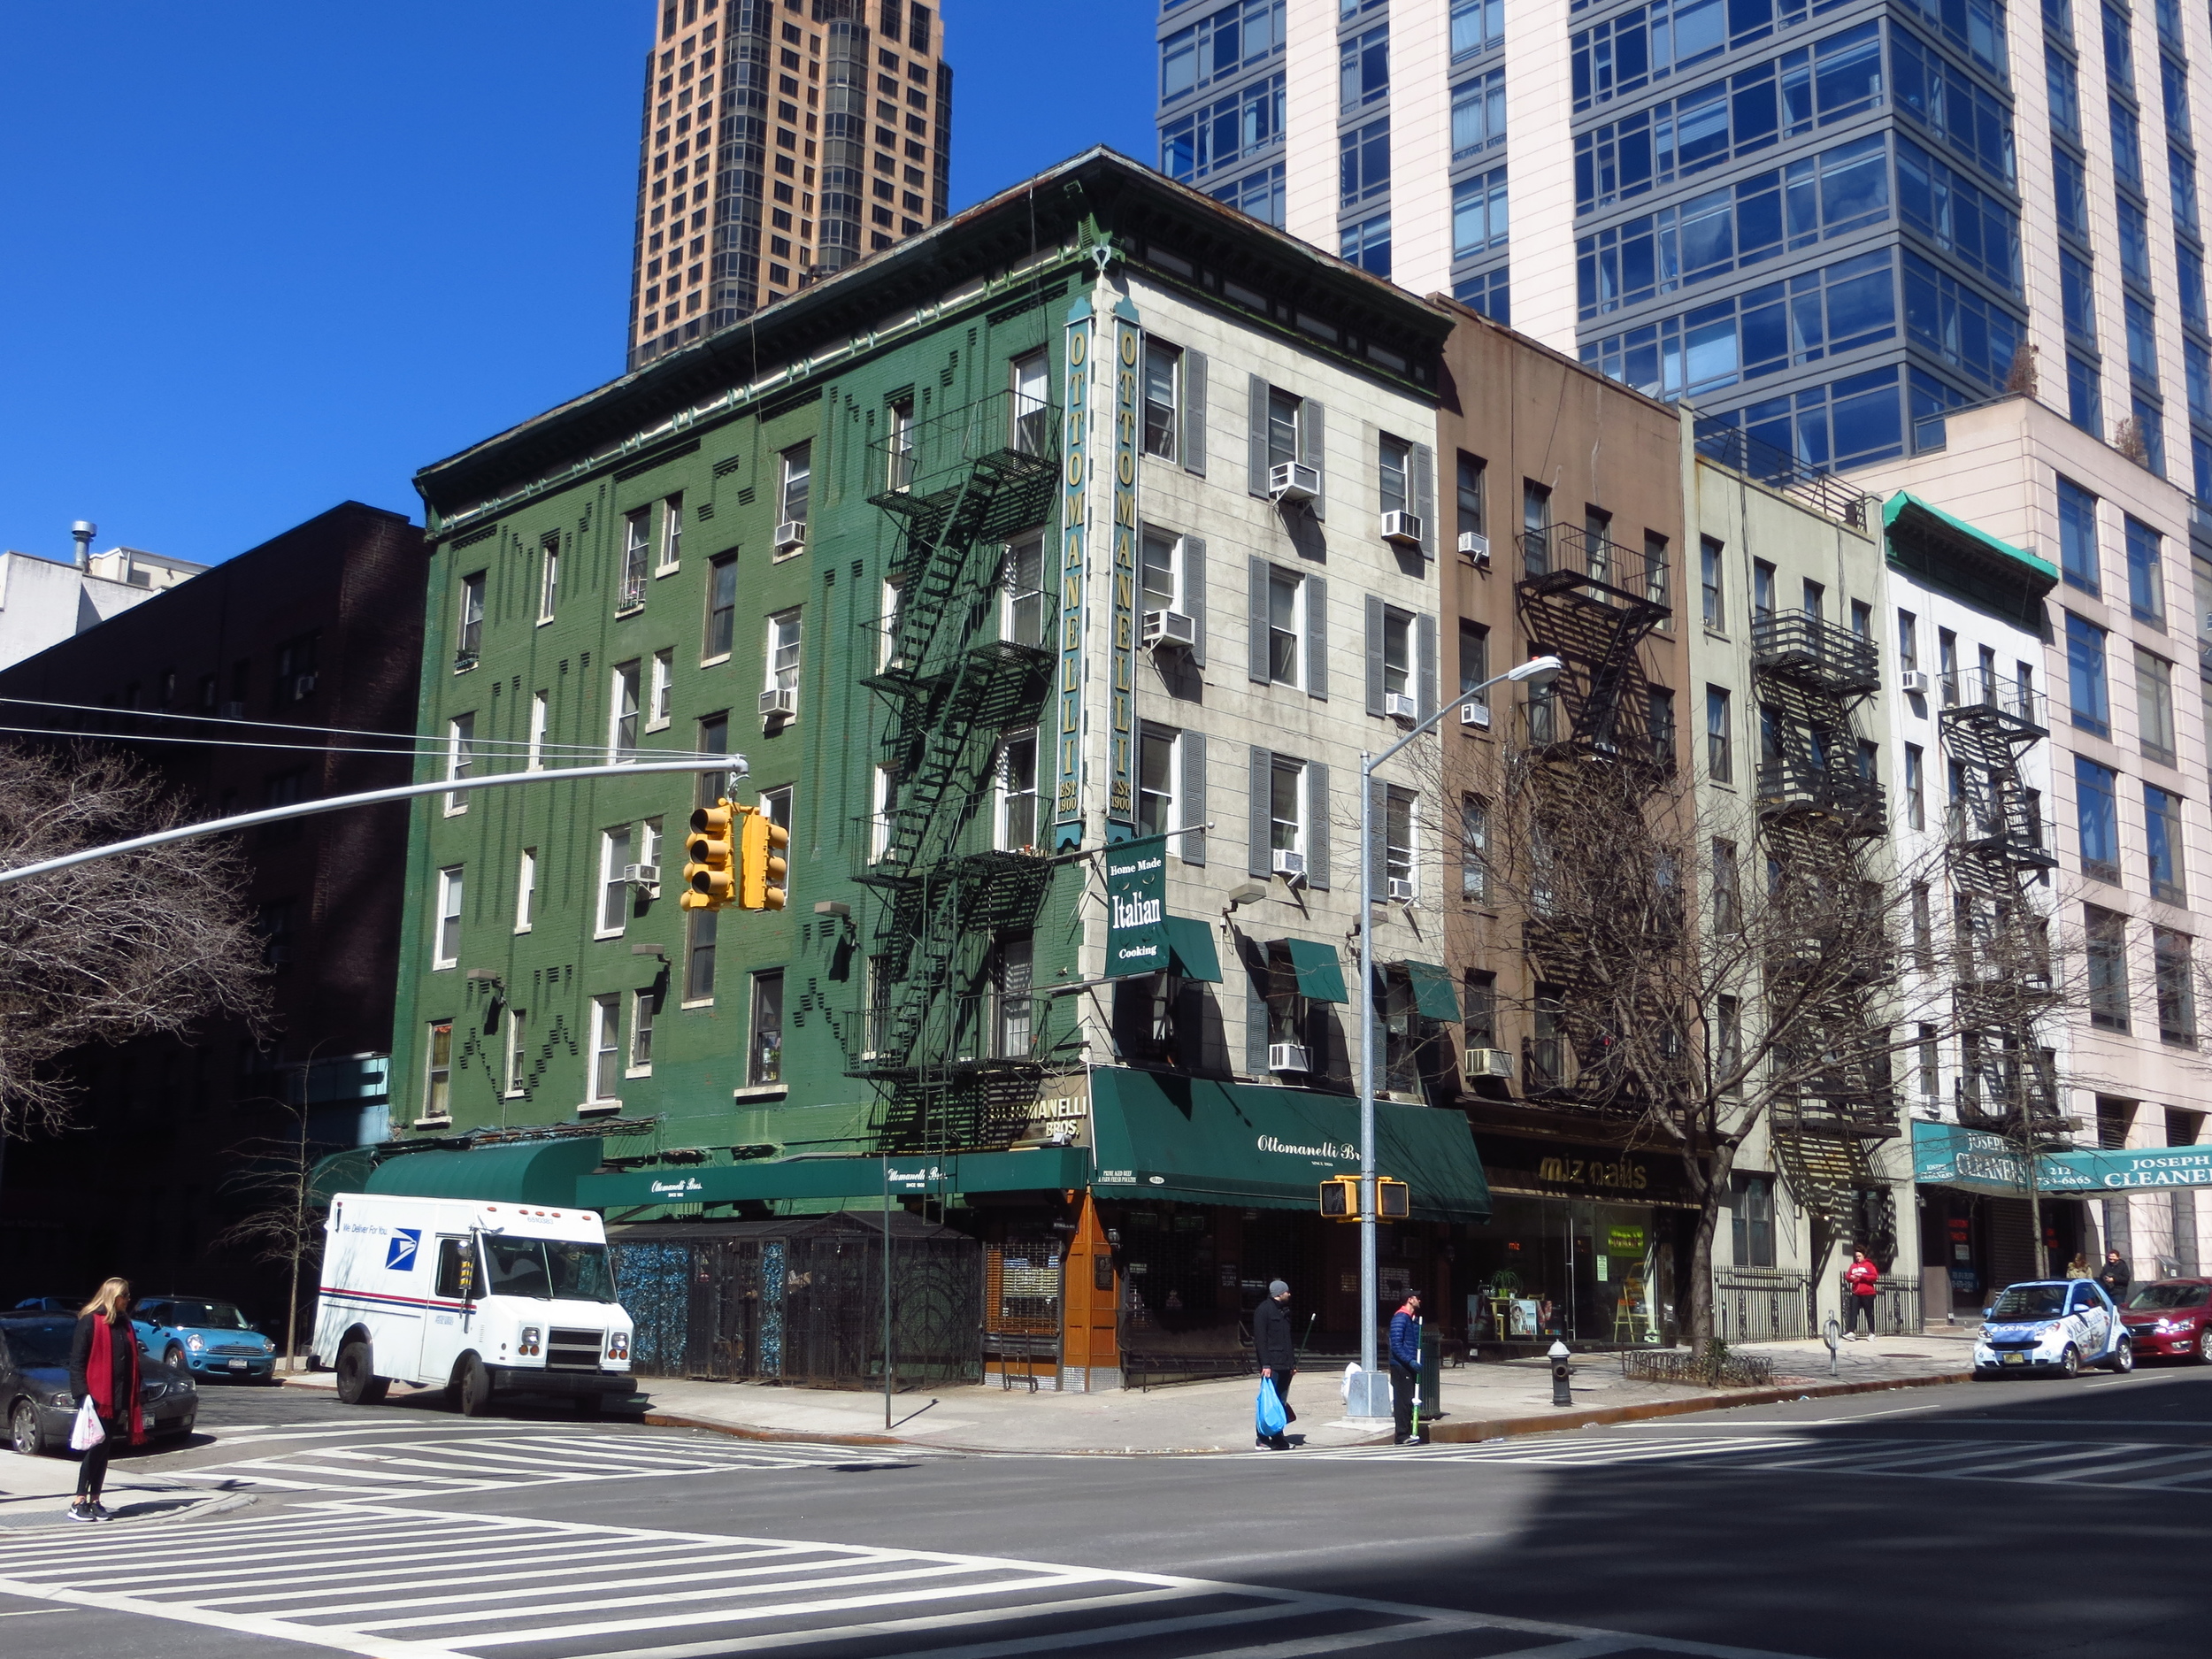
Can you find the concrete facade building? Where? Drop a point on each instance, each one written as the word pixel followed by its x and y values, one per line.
pixel 43 602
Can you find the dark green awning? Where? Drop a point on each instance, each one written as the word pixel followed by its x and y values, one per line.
pixel 526 1172
pixel 1161 1136
pixel 858 1177
pixel 1190 949
pixel 1433 992
pixel 1320 975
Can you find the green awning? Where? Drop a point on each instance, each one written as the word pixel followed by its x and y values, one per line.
pixel 1190 949
pixel 1974 1161
pixel 346 1172
pixel 1163 1136
pixel 1926 541
pixel 1433 992
pixel 1320 975
pixel 1043 1170
pixel 526 1172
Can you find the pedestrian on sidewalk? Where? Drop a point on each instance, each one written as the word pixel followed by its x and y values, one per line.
pixel 1277 1354
pixel 2078 1268
pixel 103 1369
pixel 2115 1277
pixel 1405 1368
pixel 1865 1280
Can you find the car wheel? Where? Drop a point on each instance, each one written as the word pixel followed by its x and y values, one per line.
pixel 2123 1359
pixel 357 1384
pixel 2070 1362
pixel 25 1431
pixel 175 1358
pixel 476 1388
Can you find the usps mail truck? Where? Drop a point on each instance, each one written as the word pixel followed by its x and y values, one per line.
pixel 482 1300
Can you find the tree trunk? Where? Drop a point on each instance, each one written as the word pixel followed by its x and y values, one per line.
pixel 1711 1197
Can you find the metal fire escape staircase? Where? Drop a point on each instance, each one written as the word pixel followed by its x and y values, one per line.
pixel 953 683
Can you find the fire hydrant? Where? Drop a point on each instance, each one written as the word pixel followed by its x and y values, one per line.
pixel 1562 1371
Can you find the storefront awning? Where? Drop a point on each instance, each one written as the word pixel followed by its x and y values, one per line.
pixel 1190 949
pixel 1166 1136
pixel 526 1172
pixel 1433 992
pixel 1320 975
pixel 1974 1161
pixel 858 1177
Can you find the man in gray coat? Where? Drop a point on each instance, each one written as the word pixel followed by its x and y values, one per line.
pixel 1278 1355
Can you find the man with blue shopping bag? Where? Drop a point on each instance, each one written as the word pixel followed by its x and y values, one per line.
pixel 1277 1356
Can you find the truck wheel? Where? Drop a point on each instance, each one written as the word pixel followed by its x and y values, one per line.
pixel 476 1388
pixel 357 1384
pixel 588 1405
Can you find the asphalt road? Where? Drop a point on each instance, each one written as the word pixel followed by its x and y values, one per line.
pixel 2023 1517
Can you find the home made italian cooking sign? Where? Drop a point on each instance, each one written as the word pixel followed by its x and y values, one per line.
pixel 1136 907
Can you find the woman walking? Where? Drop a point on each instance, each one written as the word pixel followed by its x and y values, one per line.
pixel 103 1369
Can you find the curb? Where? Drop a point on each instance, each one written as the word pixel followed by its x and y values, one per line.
pixel 1501 1428
pixel 216 1505
pixel 788 1437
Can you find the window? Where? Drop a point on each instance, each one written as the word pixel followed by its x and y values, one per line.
pixel 659 696
pixel 471 640
pixel 2119 56
pixel 764 1064
pixel 2135 241
pixel 671 531
pixel 1012 973
pixel 1907 642
pixel 1947 665
pixel 2062 90
pixel 1477 26
pixel 714 739
pixel 1283 410
pixel 2154 705
pixel 1163 374
pixel 1727 888
pixel 437 1091
pixel 2071 187
pixel 1285 592
pixel 1032 410
pixel 1397 652
pixel 460 758
pixel 1480 1000
pixel 2176 995
pixel 1367 244
pixel 1708 575
pixel 797 473
pixel 1285 792
pixel 1018 826
pixel 884 823
pixel 2077 297
pixel 2127 145
pixel 2096 802
pixel 1931 1067
pixel 721 607
pixel 526 890
pixel 2077 535
pixel 2085 670
pixel 1471 480
pixel 1656 570
pixel 636 553
pixel 1751 1219
pixel 898 444
pixel 549 577
pixel 1156 780
pixel 642 1003
pixel 1659 724
pixel 2084 397
pixel 1481 224
pixel 1761 591
pixel 1364 68
pixel 2146 597
pixel 1393 466
pixel 1474 662
pixel 622 713
pixel 445 949
pixel 1916 802
pixel 699 957
pixel 1399 862
pixel 2161 834
pixel 1719 762
pixel 1922 927
pixel 780 659
pixel 1155 570
pixel 1477 114
pixel 2106 948
pixel 534 752
pixel 514 1072
pixel 1023 623
pixel 1474 850
pixel 604 1059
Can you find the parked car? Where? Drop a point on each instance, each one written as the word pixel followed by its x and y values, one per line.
pixel 35 1385
pixel 2059 1325
pixel 2171 1319
pixel 51 1304
pixel 203 1337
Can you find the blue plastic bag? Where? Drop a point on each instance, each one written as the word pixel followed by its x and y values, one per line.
pixel 1268 1418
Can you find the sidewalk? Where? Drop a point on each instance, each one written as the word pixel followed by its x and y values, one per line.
pixel 34 1491
pixel 1479 1400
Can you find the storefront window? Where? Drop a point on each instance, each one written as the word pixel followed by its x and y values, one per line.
pixel 1592 1273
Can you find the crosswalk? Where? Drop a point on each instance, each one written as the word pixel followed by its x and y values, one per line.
pixel 409 1464
pixel 395 1583
pixel 2128 1466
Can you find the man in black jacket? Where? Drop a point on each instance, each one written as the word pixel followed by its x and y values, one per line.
pixel 2115 1277
pixel 1277 1356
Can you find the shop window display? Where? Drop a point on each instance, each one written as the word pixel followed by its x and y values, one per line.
pixel 1591 1273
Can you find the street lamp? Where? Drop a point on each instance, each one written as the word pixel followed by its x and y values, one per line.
pixel 1370 1389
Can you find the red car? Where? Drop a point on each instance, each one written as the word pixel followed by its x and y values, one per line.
pixel 2172 1317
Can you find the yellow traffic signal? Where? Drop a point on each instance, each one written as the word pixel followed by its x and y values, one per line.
pixel 1393 1202
pixel 709 880
pixel 761 863
pixel 1340 1198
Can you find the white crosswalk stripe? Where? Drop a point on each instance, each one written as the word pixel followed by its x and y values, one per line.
pixel 395 1583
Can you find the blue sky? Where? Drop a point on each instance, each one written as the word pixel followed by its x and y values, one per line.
pixel 261 258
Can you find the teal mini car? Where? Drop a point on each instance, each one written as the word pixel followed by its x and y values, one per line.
pixel 207 1339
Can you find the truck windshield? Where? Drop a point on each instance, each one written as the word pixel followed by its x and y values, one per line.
pixel 546 1269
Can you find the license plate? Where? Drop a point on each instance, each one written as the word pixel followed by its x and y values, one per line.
pixel 2016 1359
pixel 238 1364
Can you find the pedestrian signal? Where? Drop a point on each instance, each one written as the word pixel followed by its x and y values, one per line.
pixel 762 865
pixel 1393 1202
pixel 710 879
pixel 1340 1198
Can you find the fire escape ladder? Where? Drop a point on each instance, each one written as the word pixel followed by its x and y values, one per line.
pixel 1591 602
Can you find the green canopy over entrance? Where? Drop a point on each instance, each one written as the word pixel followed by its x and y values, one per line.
pixel 524 1172
pixel 1043 1170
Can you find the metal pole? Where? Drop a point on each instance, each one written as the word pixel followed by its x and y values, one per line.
pixel 1365 996
pixel 887 1294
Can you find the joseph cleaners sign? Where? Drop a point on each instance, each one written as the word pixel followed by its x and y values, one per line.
pixel 1136 907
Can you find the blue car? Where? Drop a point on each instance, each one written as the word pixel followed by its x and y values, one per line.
pixel 2052 1325
pixel 208 1338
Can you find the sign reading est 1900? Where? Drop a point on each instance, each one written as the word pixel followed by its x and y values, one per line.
pixel 1136 907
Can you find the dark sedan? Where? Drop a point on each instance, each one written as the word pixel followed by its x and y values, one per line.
pixel 35 1385
pixel 2171 1317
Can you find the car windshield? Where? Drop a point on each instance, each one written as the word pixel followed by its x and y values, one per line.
pixel 545 1269
pixel 2029 1302
pixel 40 1342
pixel 201 1315
pixel 2160 1297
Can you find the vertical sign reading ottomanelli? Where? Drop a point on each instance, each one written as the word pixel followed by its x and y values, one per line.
pixel 1121 787
pixel 1136 907
pixel 1067 799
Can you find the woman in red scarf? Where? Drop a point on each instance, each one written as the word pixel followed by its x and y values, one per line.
pixel 104 1368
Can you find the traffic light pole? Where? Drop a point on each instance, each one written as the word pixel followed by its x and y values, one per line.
pixel 733 764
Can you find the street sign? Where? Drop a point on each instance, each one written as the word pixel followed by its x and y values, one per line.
pixel 1136 907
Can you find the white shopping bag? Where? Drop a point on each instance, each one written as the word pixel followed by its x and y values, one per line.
pixel 86 1432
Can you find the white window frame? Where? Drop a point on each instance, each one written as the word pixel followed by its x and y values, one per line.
pixel 777 676
pixel 637 542
pixel 623 686
pixel 516 1035
pixel 753 1053
pixel 1397 629
pixel 445 921
pixel 1173 452
pixel 670 544
pixel 602 1057
pixel 1011 745
pixel 541 709
pixel 549 579
pixel 1027 396
pixel 880 830
pixel 795 479
pixel 526 890
pixel 614 892
pixel 460 758
pixel 1150 534
pixel 1474 849
pixel 1393 459
pixel 471 613
pixel 638 1052
pixel 660 690
pixel 894 604
pixel 1277 576
pixel 433 1075
pixel 1013 625
pixel 898 445
pixel 1172 814
pixel 1296 769
pixel 650 842
pixel 1393 798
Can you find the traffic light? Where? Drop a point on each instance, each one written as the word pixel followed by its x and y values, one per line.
pixel 1393 1202
pixel 710 881
pixel 762 865
pixel 1340 1198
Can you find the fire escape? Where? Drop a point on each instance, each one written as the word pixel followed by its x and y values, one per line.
pixel 1817 800
pixel 947 1032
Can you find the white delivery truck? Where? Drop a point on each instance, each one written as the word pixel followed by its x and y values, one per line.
pixel 481 1299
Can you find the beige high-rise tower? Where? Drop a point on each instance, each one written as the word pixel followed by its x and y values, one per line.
pixel 782 140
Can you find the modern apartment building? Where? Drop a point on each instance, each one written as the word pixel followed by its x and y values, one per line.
pixel 781 139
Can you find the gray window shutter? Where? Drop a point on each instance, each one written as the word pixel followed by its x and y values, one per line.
pixel 1425 665
pixel 1317 828
pixel 1192 444
pixel 1316 637
pixel 1194 595
pixel 1256 447
pixel 1192 785
pixel 1424 495
pixel 1261 862
pixel 1377 849
pixel 1374 654
pixel 1255 1027
pixel 1257 666
pixel 1313 450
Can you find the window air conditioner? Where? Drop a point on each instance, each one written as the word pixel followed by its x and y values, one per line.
pixel 1476 546
pixel 1169 627
pixel 303 687
pixel 1401 529
pixel 1292 481
pixel 1915 681
pixel 1400 706
pixel 778 701
pixel 642 875
pixel 1290 864
pixel 1287 1056
pixel 1400 890
pixel 1475 714
pixel 790 533
pixel 1489 1062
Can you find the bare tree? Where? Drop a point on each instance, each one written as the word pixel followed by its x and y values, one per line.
pixel 276 1174
pixel 116 949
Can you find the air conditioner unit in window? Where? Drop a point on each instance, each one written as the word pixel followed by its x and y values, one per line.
pixel 1476 714
pixel 1476 546
pixel 303 687
pixel 778 701
pixel 790 533
pixel 1287 1056
pixel 1401 529
pixel 1914 681
pixel 1400 890
pixel 1169 627
pixel 642 875
pixel 1489 1062
pixel 1292 481
pixel 1290 864
pixel 1400 706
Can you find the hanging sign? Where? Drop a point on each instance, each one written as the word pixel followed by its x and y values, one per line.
pixel 1067 799
pixel 1136 907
